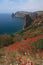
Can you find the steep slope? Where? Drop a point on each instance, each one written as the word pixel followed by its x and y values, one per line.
pixel 25 47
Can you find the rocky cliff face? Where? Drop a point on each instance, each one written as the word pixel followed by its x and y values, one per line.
pixel 31 18
pixel 27 21
pixel 38 20
pixel 32 14
pixel 21 14
pixel 33 21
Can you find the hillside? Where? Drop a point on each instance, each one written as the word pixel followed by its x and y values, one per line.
pixel 24 47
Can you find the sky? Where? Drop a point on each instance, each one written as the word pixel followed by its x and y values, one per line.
pixel 9 6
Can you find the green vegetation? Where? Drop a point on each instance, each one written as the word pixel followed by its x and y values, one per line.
pixel 29 46
pixel 6 40
pixel 40 45
pixel 25 50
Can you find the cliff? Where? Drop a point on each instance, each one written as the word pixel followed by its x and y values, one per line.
pixel 27 21
pixel 32 14
pixel 21 14
pixel 31 18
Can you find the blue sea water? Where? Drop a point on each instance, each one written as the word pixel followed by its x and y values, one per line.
pixel 9 25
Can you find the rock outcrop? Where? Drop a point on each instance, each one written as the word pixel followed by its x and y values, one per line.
pixel 30 21
pixel 32 14
pixel 27 21
pixel 30 18
pixel 21 14
pixel 38 21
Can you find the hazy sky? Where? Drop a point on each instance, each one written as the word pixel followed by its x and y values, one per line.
pixel 20 5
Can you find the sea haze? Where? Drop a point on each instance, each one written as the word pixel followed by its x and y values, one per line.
pixel 9 25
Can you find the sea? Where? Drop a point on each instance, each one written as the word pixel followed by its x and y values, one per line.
pixel 9 24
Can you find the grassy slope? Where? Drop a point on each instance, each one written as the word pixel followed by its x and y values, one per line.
pixel 29 41
pixel 6 40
